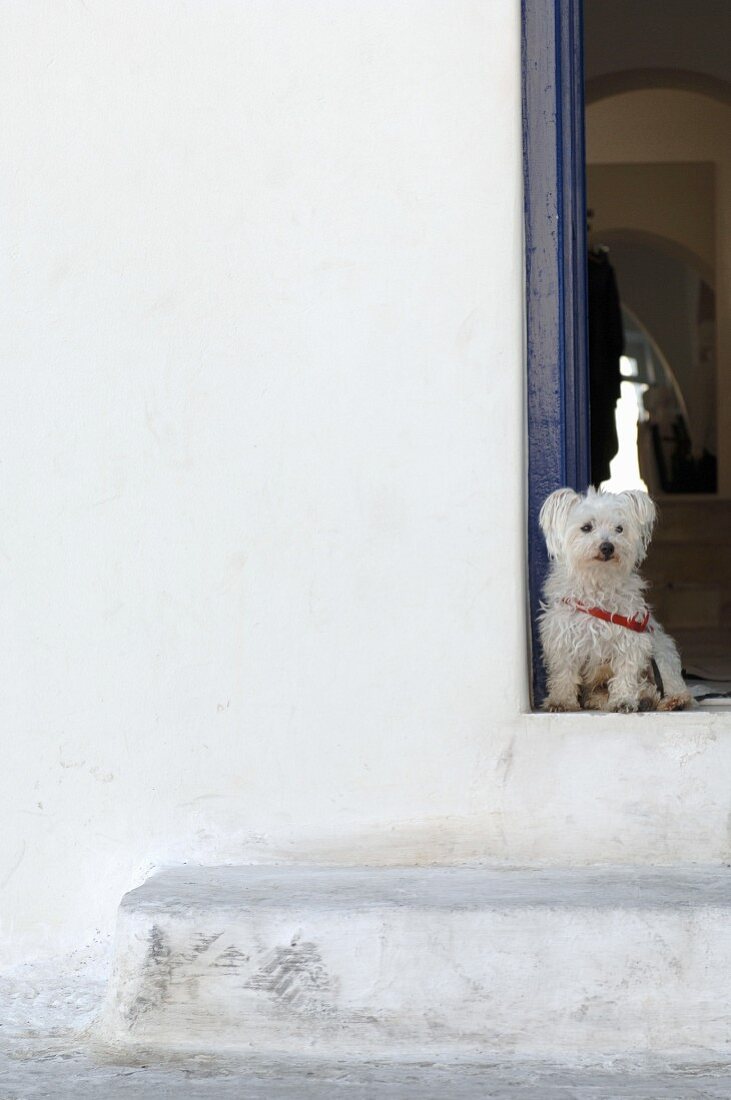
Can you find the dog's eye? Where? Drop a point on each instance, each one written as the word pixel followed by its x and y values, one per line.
pixel 587 528
pixel 620 530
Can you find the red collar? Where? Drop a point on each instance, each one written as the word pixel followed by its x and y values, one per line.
pixel 638 625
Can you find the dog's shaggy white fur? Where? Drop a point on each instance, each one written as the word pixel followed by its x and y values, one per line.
pixel 596 542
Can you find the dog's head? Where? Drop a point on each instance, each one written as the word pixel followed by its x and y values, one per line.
pixel 604 534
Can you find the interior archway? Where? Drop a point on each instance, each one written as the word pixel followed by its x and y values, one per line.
pixel 631 80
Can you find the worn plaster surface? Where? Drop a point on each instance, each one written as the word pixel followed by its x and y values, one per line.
pixel 424 962
pixel 48 1049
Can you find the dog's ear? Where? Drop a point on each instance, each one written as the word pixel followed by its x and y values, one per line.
pixel 644 514
pixel 553 516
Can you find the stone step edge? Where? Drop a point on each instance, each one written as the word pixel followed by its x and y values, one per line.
pixel 470 885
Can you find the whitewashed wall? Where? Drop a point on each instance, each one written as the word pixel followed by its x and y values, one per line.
pixel 261 445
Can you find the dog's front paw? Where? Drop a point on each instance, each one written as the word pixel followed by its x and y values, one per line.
pixel 625 706
pixel 560 706
pixel 675 702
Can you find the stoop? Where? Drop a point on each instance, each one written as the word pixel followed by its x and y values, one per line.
pixel 425 962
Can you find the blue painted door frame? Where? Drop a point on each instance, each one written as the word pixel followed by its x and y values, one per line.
pixel 555 270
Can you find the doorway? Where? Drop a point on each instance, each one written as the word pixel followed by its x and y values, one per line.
pixel 627 119
pixel 657 78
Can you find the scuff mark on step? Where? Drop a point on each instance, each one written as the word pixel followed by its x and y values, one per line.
pixel 296 977
pixel 156 975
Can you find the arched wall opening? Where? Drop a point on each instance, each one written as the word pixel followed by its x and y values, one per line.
pixel 659 182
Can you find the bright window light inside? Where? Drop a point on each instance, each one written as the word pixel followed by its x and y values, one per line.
pixel 624 469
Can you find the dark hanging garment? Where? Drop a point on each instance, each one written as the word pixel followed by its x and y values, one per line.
pixel 606 344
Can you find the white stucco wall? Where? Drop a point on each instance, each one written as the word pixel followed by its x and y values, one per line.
pixel 261 447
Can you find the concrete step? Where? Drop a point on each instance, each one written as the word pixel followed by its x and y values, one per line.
pixel 688 561
pixel 687 605
pixel 695 605
pixel 688 566
pixel 424 962
pixel 706 653
pixel 703 519
pixel 77 1074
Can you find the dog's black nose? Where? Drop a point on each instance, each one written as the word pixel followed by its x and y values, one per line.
pixel 606 549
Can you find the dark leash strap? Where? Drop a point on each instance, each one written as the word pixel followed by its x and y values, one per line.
pixel 658 678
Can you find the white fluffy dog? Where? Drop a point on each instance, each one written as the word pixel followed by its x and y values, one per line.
pixel 602 647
